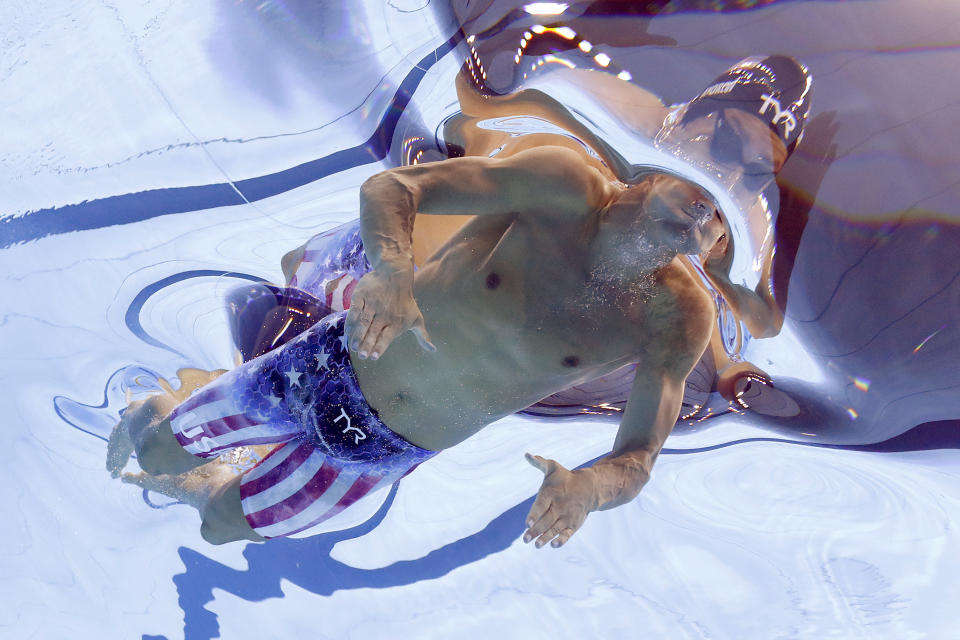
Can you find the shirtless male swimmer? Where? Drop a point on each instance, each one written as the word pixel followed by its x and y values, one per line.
pixel 561 277
pixel 741 129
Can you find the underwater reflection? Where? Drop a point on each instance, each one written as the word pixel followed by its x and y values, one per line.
pixel 536 268
pixel 726 132
pixel 863 369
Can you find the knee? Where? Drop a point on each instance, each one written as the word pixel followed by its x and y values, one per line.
pixel 158 451
pixel 140 419
pixel 218 532
pixel 149 457
pixel 291 260
pixel 215 533
pixel 223 519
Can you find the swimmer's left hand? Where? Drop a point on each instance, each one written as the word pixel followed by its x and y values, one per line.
pixel 563 502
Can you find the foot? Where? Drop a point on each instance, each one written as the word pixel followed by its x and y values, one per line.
pixel 170 486
pixel 192 487
pixel 140 415
pixel 120 445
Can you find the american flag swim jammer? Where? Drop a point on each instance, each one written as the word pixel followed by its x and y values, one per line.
pixel 304 396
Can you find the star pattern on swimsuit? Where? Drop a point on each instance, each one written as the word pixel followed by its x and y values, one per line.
pixel 344 342
pixel 323 359
pixel 293 376
pixel 274 401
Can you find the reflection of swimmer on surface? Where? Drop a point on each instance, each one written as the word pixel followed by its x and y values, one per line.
pixel 561 277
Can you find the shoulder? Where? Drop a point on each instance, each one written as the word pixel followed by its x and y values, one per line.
pixel 563 169
pixel 544 180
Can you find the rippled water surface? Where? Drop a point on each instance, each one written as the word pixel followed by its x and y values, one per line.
pixel 156 154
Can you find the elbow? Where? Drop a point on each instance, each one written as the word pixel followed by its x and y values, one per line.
pixel 766 325
pixel 388 188
pixel 761 331
pixel 375 183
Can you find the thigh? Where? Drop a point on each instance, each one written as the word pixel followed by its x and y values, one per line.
pixel 245 406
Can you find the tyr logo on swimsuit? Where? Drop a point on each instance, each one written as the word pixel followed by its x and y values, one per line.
pixel 358 435
pixel 779 115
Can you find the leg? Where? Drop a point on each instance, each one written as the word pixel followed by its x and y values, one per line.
pixel 223 519
pixel 145 429
pixel 290 261
pixel 214 489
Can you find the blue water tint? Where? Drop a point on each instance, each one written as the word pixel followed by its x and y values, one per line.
pixel 158 156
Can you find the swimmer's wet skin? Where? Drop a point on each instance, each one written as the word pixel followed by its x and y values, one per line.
pixel 561 276
pixel 479 333
pixel 444 353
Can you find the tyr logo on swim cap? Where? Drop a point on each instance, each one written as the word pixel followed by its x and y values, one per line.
pixel 775 89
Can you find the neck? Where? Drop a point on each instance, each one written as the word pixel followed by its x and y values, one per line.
pixel 625 242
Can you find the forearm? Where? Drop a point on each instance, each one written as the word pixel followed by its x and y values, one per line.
pixel 756 309
pixel 618 479
pixel 388 208
pixel 650 416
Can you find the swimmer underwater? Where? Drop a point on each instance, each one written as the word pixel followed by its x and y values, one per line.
pixel 560 277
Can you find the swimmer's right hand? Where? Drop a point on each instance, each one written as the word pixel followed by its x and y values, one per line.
pixel 381 308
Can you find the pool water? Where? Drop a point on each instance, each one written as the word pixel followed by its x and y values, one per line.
pixel 156 155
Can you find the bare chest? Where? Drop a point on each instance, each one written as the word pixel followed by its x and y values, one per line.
pixel 529 298
pixel 515 318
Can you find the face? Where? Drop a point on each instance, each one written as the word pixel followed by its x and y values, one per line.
pixel 683 215
pixel 741 147
pixel 648 225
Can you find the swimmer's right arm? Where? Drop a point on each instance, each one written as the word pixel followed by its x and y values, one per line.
pixel 547 181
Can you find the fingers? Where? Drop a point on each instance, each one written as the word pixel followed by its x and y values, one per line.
pixel 541 526
pixel 372 344
pixel 557 513
pixel 365 329
pixel 359 319
pixel 550 528
pixel 562 537
pixel 537 512
pixel 371 334
pixel 382 341
pixel 420 331
pixel 543 464
pixel 552 533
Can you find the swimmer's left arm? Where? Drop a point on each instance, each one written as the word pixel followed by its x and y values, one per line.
pixel 566 497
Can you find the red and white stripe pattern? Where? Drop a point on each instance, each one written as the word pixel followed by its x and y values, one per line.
pixel 297 487
pixel 334 292
pixel 317 276
pixel 209 422
pixel 337 293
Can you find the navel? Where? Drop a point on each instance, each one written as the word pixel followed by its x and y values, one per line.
pixel 571 361
pixel 493 281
